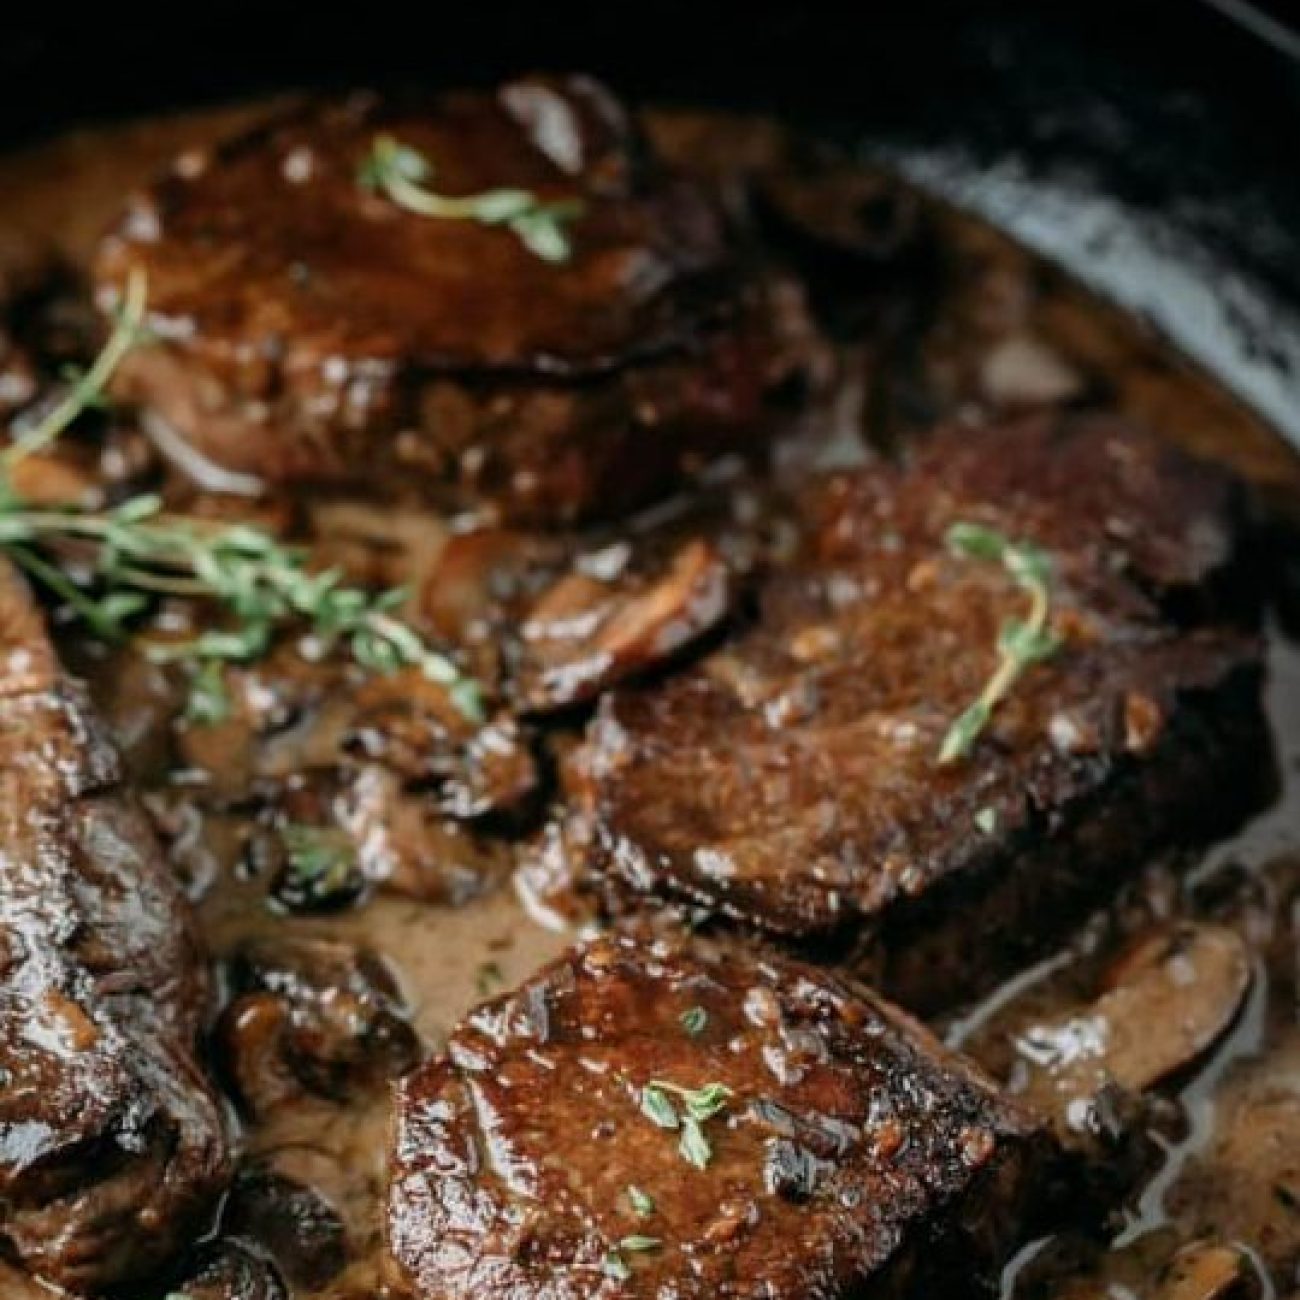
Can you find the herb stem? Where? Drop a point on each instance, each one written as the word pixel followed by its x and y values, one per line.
pixel 89 387
pixel 162 584
pixel 263 583
pixel 399 172
pixel 1020 643
pixel 53 578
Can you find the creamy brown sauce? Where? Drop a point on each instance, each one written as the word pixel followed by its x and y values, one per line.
pixel 1206 1183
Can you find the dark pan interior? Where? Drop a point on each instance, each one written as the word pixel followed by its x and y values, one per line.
pixel 1147 145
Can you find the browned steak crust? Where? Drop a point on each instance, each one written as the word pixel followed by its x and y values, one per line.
pixel 112 1145
pixel 311 330
pixel 792 782
pixel 853 1156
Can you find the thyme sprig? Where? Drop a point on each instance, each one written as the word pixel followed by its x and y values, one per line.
pixel 138 553
pixel 1021 642
pixel 403 174
pixel 698 1106
pixel 130 556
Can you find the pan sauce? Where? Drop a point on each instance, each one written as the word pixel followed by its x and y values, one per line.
pixel 1006 329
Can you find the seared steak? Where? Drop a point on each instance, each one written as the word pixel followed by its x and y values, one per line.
pixel 311 330
pixel 659 1118
pixel 112 1145
pixel 793 780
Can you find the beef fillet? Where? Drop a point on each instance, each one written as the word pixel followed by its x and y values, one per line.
pixel 309 329
pixel 667 1119
pixel 112 1144
pixel 792 781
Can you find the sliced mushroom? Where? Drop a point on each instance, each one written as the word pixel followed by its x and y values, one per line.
pixel 293 1222
pixel 1205 1270
pixel 1169 1000
pixel 227 1270
pixel 587 632
pixel 250 1040
pixel 406 845
pixel 1245 1182
pixel 413 727
pixel 470 595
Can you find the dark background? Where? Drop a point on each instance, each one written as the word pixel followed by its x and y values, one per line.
pixel 1162 135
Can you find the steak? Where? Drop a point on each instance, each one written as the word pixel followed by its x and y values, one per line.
pixel 792 781
pixel 112 1144
pixel 308 329
pixel 667 1118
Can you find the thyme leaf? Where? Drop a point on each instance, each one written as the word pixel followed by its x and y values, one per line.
pixel 642 1202
pixel 319 858
pixel 693 1145
pixel 699 1105
pixel 403 174
pixel 637 1243
pixel 693 1020
pixel 1021 642
pixel 656 1107
pixel 615 1267
pixel 209 701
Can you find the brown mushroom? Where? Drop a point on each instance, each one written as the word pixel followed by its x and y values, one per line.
pixel 1168 1000
pixel 1204 1270
pixel 586 633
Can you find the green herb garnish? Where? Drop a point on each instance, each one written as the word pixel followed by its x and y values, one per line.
pixel 642 1203
pixel 402 174
pixel 693 1145
pixel 1021 642
pixel 987 820
pixel 636 1243
pixel 319 859
pixel 699 1105
pixel 87 387
pixel 693 1020
pixel 137 553
pixel 615 1266
pixel 488 978
pixel 134 554
pixel 209 700
pixel 656 1107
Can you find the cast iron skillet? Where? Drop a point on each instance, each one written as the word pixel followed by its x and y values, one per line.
pixel 1148 145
